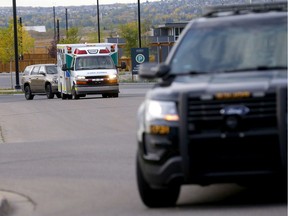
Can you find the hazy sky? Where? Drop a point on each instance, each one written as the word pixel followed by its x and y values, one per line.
pixel 51 3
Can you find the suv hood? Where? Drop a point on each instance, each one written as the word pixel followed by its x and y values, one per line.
pixel 221 82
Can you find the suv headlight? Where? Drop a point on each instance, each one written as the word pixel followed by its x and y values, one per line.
pixel 55 80
pixel 161 110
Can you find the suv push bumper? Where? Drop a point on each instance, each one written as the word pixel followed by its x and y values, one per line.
pixel 162 175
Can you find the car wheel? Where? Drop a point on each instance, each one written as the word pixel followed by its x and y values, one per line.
pixel 116 95
pixel 28 93
pixel 104 95
pixel 75 95
pixel 49 92
pixel 154 198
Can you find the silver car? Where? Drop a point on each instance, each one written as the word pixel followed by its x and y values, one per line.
pixel 40 79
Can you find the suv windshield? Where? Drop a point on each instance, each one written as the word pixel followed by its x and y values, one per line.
pixel 94 62
pixel 233 46
pixel 51 69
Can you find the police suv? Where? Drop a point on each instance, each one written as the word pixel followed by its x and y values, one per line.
pixel 218 113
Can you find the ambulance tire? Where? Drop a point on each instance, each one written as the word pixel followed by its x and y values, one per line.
pixel 58 95
pixel 64 96
pixel 70 97
pixel 75 95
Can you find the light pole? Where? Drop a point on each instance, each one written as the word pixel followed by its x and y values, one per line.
pixel 139 24
pixel 17 86
pixel 98 21
pixel 66 15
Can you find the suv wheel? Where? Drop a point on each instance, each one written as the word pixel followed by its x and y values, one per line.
pixel 28 93
pixel 48 90
pixel 154 198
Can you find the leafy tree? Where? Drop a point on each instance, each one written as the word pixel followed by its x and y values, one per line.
pixel 71 37
pixel 130 33
pixel 7 49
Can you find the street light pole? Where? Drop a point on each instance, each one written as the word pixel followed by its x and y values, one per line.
pixel 139 24
pixel 98 21
pixel 17 86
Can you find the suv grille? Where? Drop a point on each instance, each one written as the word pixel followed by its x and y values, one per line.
pixel 204 115
pixel 215 147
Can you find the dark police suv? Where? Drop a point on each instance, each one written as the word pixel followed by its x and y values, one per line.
pixel 218 113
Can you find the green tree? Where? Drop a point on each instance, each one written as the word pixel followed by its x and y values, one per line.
pixel 71 37
pixel 7 49
pixel 130 33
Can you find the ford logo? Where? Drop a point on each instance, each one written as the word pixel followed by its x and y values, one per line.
pixel 235 110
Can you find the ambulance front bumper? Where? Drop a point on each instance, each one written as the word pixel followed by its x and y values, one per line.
pixel 97 89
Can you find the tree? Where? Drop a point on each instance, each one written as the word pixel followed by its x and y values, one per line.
pixel 7 49
pixel 129 32
pixel 71 37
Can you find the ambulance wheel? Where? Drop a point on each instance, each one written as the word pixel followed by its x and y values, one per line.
pixel 28 93
pixel 49 93
pixel 63 96
pixel 58 95
pixel 75 95
pixel 70 97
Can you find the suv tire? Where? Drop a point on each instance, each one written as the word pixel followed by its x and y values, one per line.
pixel 48 89
pixel 28 93
pixel 154 198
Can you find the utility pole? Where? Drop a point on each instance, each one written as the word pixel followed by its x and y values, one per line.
pixel 98 21
pixel 139 25
pixel 66 15
pixel 58 31
pixel 54 18
pixel 17 86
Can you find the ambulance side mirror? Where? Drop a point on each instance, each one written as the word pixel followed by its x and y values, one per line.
pixel 65 68
pixel 123 65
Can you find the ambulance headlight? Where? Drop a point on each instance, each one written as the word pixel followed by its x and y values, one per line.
pixel 112 76
pixel 80 77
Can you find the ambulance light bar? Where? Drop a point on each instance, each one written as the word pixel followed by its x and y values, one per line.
pixel 77 51
pixel 104 50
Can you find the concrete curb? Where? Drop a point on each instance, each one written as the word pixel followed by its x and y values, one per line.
pixel 5 208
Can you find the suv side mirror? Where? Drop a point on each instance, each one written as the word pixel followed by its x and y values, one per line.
pixel 153 70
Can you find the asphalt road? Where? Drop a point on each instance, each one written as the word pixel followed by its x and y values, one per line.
pixel 77 158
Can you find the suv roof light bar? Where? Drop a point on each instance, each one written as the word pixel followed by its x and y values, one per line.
pixel 212 11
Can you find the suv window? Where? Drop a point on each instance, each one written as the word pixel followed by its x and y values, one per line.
pixel 27 70
pixel 51 69
pixel 233 45
pixel 35 70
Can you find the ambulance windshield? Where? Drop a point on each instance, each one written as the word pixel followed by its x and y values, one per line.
pixel 94 62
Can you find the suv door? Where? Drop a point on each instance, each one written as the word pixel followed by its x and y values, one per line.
pixel 41 79
pixel 35 83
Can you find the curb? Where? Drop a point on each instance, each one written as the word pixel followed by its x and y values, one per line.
pixel 5 208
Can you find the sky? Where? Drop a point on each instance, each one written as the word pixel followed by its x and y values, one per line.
pixel 51 3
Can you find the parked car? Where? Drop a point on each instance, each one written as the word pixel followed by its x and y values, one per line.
pixel 40 79
pixel 218 113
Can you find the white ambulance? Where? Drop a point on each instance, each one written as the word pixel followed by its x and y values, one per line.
pixel 89 68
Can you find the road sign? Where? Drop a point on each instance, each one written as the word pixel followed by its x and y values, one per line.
pixel 138 56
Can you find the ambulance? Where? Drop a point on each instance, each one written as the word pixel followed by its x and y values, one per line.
pixel 90 68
